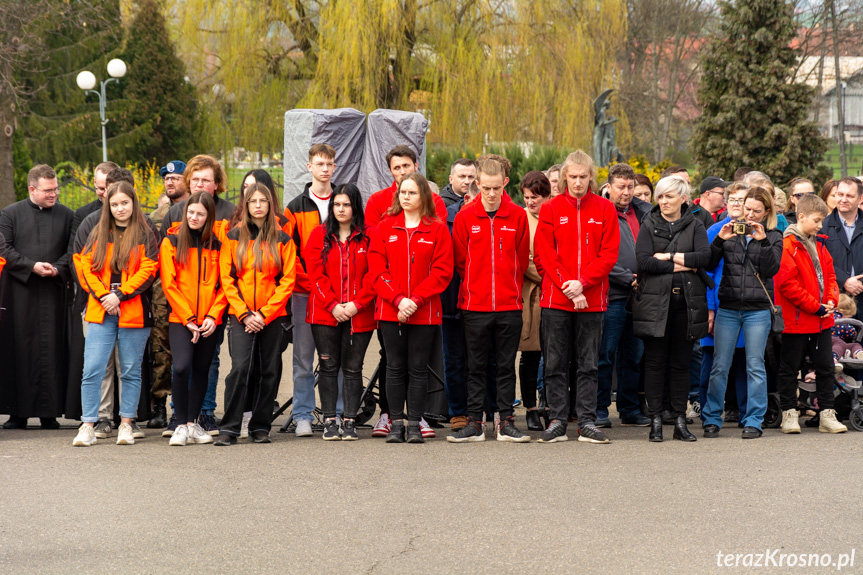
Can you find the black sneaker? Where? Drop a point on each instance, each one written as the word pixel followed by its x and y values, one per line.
pixel 731 416
pixel 415 434
pixel 224 439
pixel 331 430
pixel 589 433
pixel 556 432
pixel 509 432
pixel 397 432
pixel 349 430
pixel 172 425
pixel 208 424
pixel 260 437
pixel 473 431
pixel 102 429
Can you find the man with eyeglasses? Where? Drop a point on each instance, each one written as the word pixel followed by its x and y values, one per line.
pixel 844 231
pixel 33 348
pixel 713 197
pixel 309 209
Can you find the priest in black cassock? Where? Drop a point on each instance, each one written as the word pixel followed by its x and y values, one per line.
pixel 36 297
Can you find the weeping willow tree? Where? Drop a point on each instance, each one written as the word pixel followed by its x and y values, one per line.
pixel 482 71
pixel 250 61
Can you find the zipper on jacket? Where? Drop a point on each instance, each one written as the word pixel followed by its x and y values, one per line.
pixel 578 234
pixel 491 223
pixel 198 300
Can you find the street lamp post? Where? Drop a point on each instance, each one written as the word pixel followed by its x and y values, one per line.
pixel 87 81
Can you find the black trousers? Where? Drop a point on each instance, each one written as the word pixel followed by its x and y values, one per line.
pixel 383 403
pixel 408 352
pixel 795 348
pixel 528 376
pixel 670 353
pixel 338 348
pixel 190 359
pixel 248 350
pixel 576 335
pixel 503 328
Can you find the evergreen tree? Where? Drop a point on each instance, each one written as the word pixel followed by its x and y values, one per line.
pixel 161 121
pixel 754 114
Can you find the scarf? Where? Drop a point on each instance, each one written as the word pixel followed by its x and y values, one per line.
pixel 809 243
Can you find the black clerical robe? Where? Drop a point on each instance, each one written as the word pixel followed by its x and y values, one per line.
pixel 34 331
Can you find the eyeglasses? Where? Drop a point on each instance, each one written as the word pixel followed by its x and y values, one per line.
pixel 201 181
pixel 51 192
pixel 735 201
pixel 259 202
pixel 176 178
pixel 801 194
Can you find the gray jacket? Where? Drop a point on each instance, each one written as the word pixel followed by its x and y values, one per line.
pixel 622 274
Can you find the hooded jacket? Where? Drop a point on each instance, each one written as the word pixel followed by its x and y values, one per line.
pixel 576 239
pixel 797 286
pixel 250 289
pixel 336 275
pixel 135 283
pixel 194 289
pixel 415 264
pixel 491 256
pixel 449 197
pixel 656 277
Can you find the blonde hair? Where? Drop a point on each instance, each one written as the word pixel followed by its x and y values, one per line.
pixel 847 306
pixel 761 194
pixel 578 158
pixel 781 200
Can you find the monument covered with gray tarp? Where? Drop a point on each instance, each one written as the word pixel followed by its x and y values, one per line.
pixel 386 130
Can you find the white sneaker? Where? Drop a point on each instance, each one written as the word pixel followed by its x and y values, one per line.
pixel 244 427
pixel 86 436
pixel 180 436
pixel 790 423
pixel 829 423
pixel 304 428
pixel 426 429
pixel 124 435
pixel 197 434
pixel 383 427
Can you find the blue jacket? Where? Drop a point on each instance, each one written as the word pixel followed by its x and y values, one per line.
pixel 716 275
pixel 845 255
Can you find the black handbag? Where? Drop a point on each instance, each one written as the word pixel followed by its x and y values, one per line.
pixel 777 322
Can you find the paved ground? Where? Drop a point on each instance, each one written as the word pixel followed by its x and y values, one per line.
pixel 305 505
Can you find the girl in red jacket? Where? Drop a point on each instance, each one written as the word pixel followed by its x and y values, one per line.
pixel 190 278
pixel 116 268
pixel 410 263
pixel 340 309
pixel 257 264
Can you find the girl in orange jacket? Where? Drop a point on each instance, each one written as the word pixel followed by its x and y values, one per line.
pixel 192 284
pixel 341 306
pixel 116 268
pixel 257 264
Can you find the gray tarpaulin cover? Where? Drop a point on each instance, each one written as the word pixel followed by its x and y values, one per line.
pixel 386 130
pixel 342 128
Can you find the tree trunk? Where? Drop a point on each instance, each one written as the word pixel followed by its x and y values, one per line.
pixel 7 129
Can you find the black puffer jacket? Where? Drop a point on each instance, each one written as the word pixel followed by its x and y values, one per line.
pixel 655 277
pixel 739 288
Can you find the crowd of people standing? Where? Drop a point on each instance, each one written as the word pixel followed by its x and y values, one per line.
pixel 694 308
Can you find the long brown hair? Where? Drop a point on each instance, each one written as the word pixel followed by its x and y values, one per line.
pixel 125 251
pixel 184 234
pixel 268 234
pixel 427 209
pixel 760 193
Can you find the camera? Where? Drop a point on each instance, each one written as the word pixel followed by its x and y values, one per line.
pixel 741 228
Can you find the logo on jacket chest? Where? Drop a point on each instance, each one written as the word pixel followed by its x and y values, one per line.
pixel 393 238
pixel 424 241
pixel 564 220
pixel 475 229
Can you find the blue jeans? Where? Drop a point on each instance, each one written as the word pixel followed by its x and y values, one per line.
pixel 97 349
pixel 454 365
pixel 618 339
pixel 738 367
pixel 726 329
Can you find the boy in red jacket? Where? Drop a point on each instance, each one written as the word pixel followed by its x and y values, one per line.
pixel 491 247
pixel 575 248
pixel 807 291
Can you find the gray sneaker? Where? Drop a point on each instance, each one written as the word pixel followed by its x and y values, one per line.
pixel 102 429
pixel 137 432
pixel 589 433
pixel 304 428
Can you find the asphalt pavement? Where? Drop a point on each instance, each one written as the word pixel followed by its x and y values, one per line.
pixel 302 505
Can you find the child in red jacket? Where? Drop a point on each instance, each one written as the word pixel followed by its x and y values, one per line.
pixel 806 290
